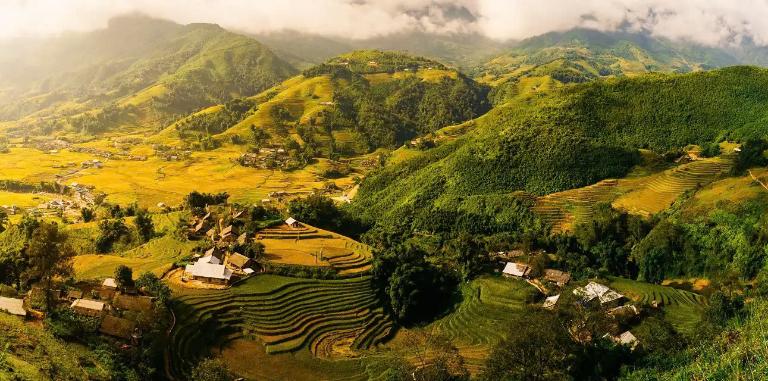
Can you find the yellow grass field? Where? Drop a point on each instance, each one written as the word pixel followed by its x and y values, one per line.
pixel 156 180
pixel 315 247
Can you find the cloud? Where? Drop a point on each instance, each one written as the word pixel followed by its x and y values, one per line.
pixel 709 22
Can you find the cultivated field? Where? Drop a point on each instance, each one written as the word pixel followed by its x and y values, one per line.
pixel 481 317
pixel 326 318
pixel 681 308
pixel 310 246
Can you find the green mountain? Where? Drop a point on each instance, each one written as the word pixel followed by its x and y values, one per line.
pixel 351 104
pixel 581 55
pixel 137 72
pixel 565 139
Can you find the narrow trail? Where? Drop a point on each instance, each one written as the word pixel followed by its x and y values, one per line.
pixel 758 180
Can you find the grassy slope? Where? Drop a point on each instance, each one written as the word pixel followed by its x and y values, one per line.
pixel 34 354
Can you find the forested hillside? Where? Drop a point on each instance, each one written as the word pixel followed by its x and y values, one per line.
pixel 571 138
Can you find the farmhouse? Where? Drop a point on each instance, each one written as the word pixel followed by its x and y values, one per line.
pixel 226 233
pixel 238 261
pixel 561 278
pixel 242 239
pixel 596 292
pixel 117 327
pixel 292 222
pixel 518 270
pixel 210 270
pixel 142 304
pixel 88 307
pixel 74 294
pixel 12 306
pixel 109 284
pixel 551 302
pixel 626 310
pixel 626 339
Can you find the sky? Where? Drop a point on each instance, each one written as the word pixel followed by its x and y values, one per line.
pixel 708 22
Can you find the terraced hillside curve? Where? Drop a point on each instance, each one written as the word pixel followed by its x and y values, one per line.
pixel 329 318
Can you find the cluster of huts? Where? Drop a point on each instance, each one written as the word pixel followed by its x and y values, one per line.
pixel 265 158
pixel 121 313
pixel 593 295
pixel 220 263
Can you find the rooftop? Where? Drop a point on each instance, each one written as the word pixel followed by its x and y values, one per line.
pixel 12 306
pixel 88 304
pixel 516 269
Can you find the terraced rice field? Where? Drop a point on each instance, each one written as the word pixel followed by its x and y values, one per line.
pixel 482 317
pixel 563 210
pixel 682 308
pixel 327 318
pixel 667 186
pixel 310 246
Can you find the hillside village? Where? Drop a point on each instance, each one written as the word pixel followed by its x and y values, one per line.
pixel 183 202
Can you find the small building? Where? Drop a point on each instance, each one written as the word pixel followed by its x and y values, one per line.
pixel 238 261
pixel 242 239
pixel 551 302
pixel 210 257
pixel 209 272
pixel 598 293
pixel 88 307
pixel 517 270
pixel 74 294
pixel 12 306
pixel 109 284
pixel 292 222
pixel 226 233
pixel 136 303
pixel 117 327
pixel 626 339
pixel 561 278
pixel 625 310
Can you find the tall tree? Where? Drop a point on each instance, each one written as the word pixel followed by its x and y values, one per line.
pixel 144 225
pixel 50 256
pixel 124 276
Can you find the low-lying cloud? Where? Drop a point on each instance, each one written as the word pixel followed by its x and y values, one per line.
pixel 709 22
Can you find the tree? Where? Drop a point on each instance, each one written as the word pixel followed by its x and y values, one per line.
pixel 13 258
pixel 109 232
pixel 150 283
pixel 144 225
pixel 536 348
pixel 316 210
pixel 437 359
pixel 50 255
pixel 212 370
pixel 3 220
pixel 258 136
pixel 87 214
pixel 124 276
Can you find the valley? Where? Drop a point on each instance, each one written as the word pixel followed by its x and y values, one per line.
pixel 194 203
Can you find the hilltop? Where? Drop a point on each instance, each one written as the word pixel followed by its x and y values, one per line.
pixel 350 105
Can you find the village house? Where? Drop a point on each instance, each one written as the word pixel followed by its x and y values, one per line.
pixel 117 327
pixel 12 306
pixel 210 270
pixel 238 262
pixel 293 223
pixel 517 270
pixel 598 293
pixel 551 302
pixel 88 307
pixel 561 278
pixel 74 294
pixel 109 284
pixel 143 304
pixel 226 233
pixel 625 310
pixel 627 339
